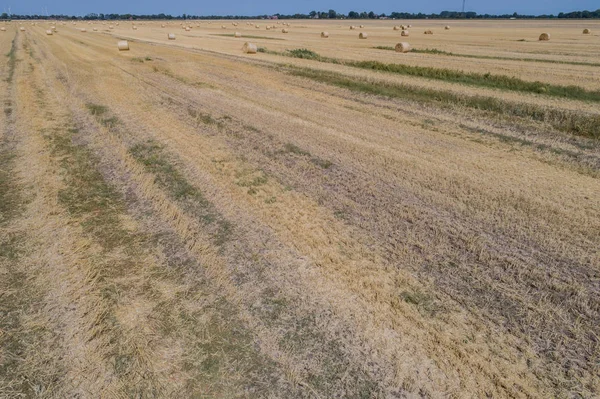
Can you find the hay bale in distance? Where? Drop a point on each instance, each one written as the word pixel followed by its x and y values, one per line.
pixel 402 47
pixel 363 35
pixel 352 27
pixel 171 36
pixel 237 34
pixel 404 33
pixel 447 27
pixel 123 45
pixel 49 32
pixel 22 29
pixel 586 31
pixel 544 37
pixel 83 30
pixel 396 27
pixel 361 27
pixel 3 29
pixel 325 34
pixel 249 48
pixel 284 31
pixel 428 32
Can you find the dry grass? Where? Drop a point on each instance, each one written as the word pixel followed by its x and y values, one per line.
pixel 211 224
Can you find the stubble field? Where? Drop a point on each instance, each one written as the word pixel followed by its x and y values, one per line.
pixel 325 218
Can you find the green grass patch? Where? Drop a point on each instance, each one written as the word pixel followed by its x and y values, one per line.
pixel 155 160
pixel 577 123
pixel 294 149
pixel 87 196
pixel 12 60
pixel 489 57
pixel 487 80
pixel 384 48
pixel 247 36
pixel 100 111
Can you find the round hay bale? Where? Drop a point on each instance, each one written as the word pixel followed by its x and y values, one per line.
pixel 404 33
pixel 361 27
pixel 122 45
pixel 325 34
pixel 402 47
pixel 171 36
pixel 95 29
pixel 22 29
pixel 134 27
pixel 544 37
pixel 257 26
pixel 268 28
pixel 428 32
pixel 237 34
pixel 586 31
pixel 396 28
pixel 249 48
pixel 162 25
pixel 352 27
pixel 284 31
pixel 409 26
pixel 447 27
pixel 49 32
pixel 363 35
pixel 187 28
pixel 110 27
pixel 3 29
pixel 223 27
pixel 83 30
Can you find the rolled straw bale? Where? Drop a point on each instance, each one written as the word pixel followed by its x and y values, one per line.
pixel 402 47
pixel 325 34
pixel 404 33
pixel 237 34
pixel 361 27
pixel 544 37
pixel 95 29
pixel 284 31
pixel 352 27
pixel 249 48
pixel 363 35
pixel 171 36
pixel 49 32
pixel 122 45
pixel 586 31
pixel 110 27
pixel 396 27
pixel 447 27
pixel 223 27
pixel 428 32
pixel 187 28
pixel 3 29
pixel 257 26
pixel 22 29
pixel 162 25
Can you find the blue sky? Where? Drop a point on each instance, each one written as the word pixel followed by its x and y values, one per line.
pixel 258 7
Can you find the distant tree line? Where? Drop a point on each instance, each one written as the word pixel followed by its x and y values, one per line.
pixel 331 14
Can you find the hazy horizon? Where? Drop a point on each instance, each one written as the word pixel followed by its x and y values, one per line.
pixel 246 7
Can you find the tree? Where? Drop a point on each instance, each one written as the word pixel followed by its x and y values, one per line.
pixel 372 15
pixel 332 14
pixel 312 14
pixel 353 15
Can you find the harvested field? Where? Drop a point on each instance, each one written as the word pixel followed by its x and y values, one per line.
pixel 321 218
